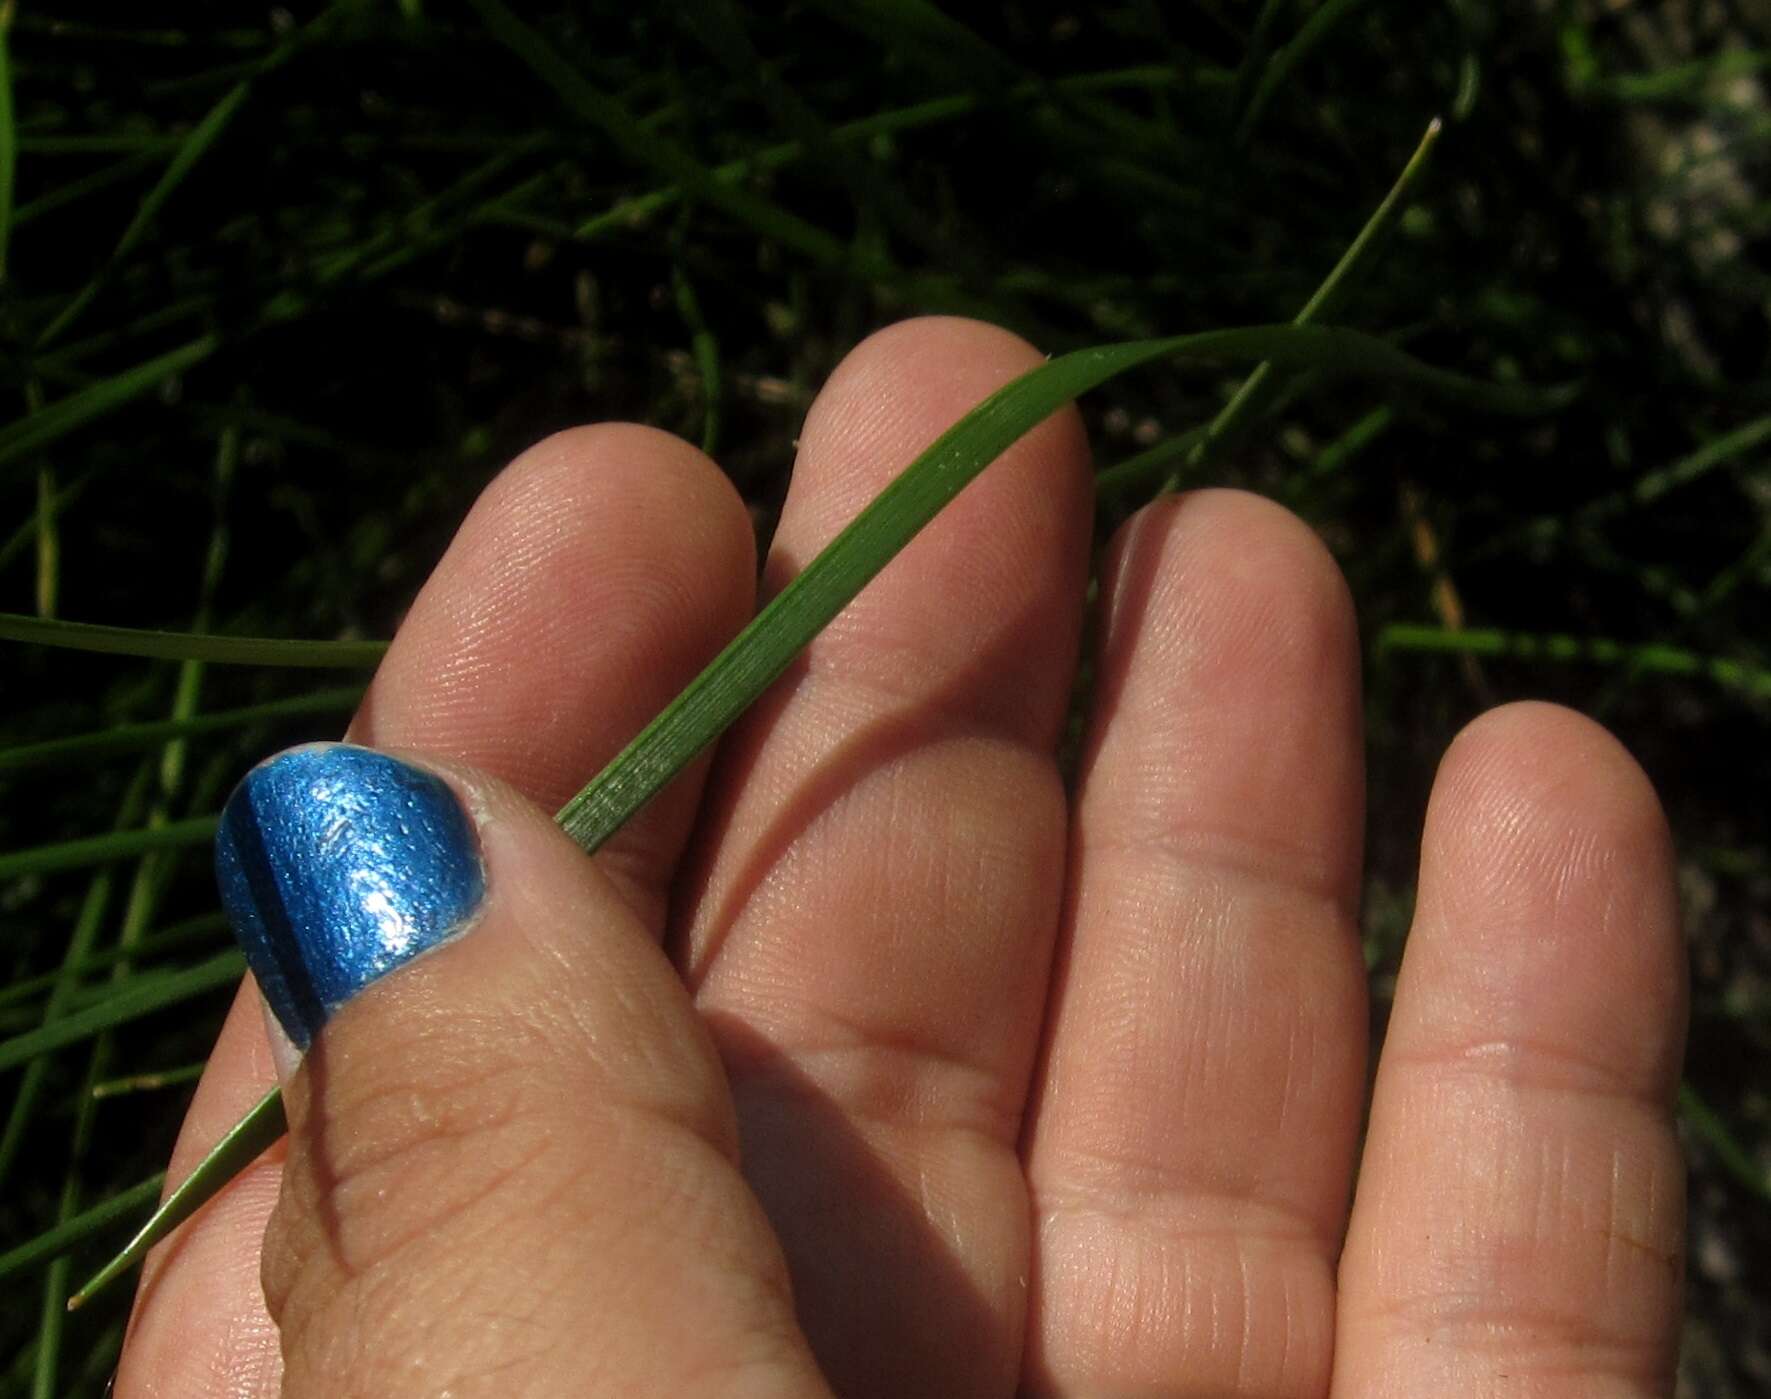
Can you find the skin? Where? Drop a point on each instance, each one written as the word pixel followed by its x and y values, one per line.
pixel 866 1061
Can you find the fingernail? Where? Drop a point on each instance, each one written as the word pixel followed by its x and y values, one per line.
pixel 336 865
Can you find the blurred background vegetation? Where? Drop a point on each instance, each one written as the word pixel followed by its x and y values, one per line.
pixel 284 286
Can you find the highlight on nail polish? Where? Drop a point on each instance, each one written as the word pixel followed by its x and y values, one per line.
pixel 336 865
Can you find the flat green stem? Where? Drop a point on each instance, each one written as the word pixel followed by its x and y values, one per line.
pixel 765 648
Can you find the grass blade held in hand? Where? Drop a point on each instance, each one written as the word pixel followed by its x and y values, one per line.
pixel 764 649
pixel 244 1143
pixel 1264 384
pixel 1261 390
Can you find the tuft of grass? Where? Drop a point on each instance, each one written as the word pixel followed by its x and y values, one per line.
pixel 277 300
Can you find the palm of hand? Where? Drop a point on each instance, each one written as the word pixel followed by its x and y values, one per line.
pixel 1041 1094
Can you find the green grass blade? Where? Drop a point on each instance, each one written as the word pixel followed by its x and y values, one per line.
pixel 152 875
pixel 48 544
pixel 244 1143
pixel 1751 564
pixel 139 996
pixel 1148 468
pixel 72 191
pixel 8 135
pixel 1717 452
pixel 99 850
pixel 650 149
pixel 205 928
pixel 705 348
pixel 1684 82
pixel 25 535
pixel 765 648
pixel 146 144
pixel 1353 441
pixel 191 646
pixel 63 983
pixel 1735 1158
pixel 128 738
pixel 57 1241
pixel 1284 63
pixel 933 35
pixel 149 1082
pixel 31 434
pixel 640 208
pixel 1329 295
pixel 426 217
pixel 1254 59
pixel 1259 390
pixel 190 149
pixel 1649 658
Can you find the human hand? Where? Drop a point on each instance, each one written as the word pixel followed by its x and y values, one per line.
pixel 1034 1095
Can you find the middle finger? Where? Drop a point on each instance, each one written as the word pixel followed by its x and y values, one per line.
pixel 869 927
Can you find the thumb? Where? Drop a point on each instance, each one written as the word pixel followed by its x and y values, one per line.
pixel 512 1164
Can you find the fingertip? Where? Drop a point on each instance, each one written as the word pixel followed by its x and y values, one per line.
pixel 1548 797
pixel 536 1099
pixel 690 515
pixel 595 576
pixel 991 588
pixel 1520 1208
pixel 1548 896
pixel 1240 568
pixel 1229 646
pixel 900 388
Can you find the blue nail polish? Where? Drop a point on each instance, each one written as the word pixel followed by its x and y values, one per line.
pixel 336 865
